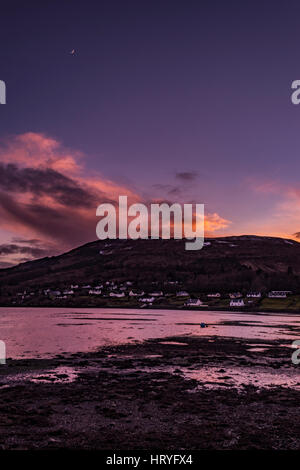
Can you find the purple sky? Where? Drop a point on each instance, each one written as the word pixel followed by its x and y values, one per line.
pixel 173 100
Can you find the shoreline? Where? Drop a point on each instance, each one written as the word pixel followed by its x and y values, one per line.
pixel 162 307
pixel 157 394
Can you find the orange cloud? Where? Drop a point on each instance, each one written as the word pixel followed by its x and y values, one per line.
pixel 214 222
pixel 283 217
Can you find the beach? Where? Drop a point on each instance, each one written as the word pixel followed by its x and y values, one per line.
pixel 183 392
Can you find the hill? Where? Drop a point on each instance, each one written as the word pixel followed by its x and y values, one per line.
pixel 237 263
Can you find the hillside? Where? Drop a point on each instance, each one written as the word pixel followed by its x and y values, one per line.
pixel 237 263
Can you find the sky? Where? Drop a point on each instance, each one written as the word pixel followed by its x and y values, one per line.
pixel 180 101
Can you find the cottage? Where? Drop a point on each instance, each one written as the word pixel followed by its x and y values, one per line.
pixel 278 294
pixel 156 294
pixel 193 303
pixel 254 295
pixel 133 294
pixel 182 294
pixel 136 294
pixel 147 299
pixel 116 294
pixel 95 292
pixel 237 303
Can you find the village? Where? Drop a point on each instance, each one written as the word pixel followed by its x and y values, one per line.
pixel 125 294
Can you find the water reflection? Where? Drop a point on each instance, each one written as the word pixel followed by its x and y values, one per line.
pixel 42 332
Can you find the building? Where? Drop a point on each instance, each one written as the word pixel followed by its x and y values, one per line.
pixel 237 303
pixel 182 294
pixel 136 294
pixel 193 303
pixel 147 300
pixel 254 295
pixel 116 294
pixel 216 295
pixel 278 294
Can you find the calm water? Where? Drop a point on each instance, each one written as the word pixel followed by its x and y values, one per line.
pixel 41 332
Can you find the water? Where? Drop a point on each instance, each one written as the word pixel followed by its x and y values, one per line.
pixel 45 332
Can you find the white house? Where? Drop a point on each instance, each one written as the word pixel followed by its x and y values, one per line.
pixel 193 303
pixel 68 292
pixel 147 299
pixel 136 294
pixel 278 294
pixel 95 291
pixel 156 294
pixel 182 294
pixel 237 303
pixel 253 295
pixel 116 294
pixel 132 294
pixel 217 295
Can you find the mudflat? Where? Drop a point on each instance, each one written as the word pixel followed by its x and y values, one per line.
pixel 187 393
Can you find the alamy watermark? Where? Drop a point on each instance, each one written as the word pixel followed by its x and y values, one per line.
pixel 2 92
pixel 2 352
pixel 163 220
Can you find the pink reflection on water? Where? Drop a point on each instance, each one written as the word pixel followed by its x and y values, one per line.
pixel 44 332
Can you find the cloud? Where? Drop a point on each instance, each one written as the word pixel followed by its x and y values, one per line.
pixel 40 182
pixel 6 264
pixel 265 186
pixel 214 222
pixel 186 176
pixel 284 207
pixel 169 189
pixel 9 249
pixel 48 199
pixel 47 194
pixel 34 149
pixel 26 241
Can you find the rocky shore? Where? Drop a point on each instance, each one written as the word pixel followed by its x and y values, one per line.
pixel 183 393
